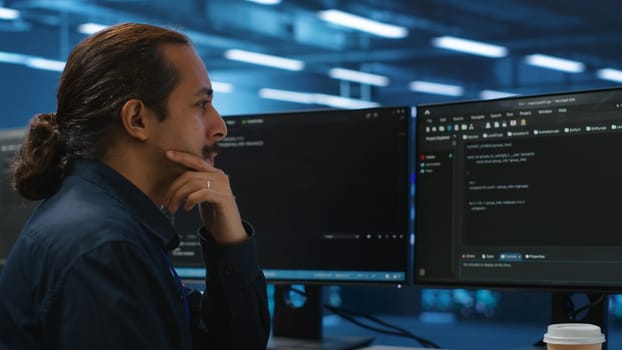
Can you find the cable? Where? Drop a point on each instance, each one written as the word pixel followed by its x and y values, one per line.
pixel 573 311
pixel 393 330
pixel 574 314
pixel 397 331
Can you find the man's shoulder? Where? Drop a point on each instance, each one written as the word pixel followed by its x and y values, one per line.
pixel 75 210
pixel 82 217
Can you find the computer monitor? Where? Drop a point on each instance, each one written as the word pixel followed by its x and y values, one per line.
pixel 522 193
pixel 327 192
pixel 14 210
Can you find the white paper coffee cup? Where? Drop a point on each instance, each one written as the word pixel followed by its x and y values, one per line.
pixel 575 336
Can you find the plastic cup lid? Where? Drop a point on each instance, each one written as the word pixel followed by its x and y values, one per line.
pixel 573 333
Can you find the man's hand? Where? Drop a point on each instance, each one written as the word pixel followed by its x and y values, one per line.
pixel 208 187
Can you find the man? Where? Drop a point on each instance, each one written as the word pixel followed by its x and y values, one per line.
pixel 134 136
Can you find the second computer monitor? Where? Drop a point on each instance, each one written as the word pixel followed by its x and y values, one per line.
pixel 522 192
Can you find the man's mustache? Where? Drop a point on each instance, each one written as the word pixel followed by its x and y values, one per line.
pixel 209 150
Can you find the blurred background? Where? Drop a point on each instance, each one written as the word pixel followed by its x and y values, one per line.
pixel 283 55
pixel 270 55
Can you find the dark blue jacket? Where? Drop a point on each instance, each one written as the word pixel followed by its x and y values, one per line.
pixel 88 272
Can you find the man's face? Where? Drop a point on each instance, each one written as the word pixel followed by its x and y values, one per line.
pixel 192 124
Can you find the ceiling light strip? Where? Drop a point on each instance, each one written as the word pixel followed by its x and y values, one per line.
pixel 286 95
pixel 358 77
pixel 44 64
pixel 266 2
pixel 219 86
pixel 470 46
pixel 91 28
pixel 363 24
pixel 264 60
pixel 436 88
pixel 315 98
pixel 8 13
pixel 32 61
pixel 610 74
pixel 555 63
pixel 492 94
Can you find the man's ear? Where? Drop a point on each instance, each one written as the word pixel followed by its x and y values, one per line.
pixel 135 119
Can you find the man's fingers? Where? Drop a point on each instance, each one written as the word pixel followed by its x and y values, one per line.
pixel 182 187
pixel 188 160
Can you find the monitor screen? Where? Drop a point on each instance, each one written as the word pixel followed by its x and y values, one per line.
pixel 327 192
pixel 520 192
pixel 523 193
pixel 14 210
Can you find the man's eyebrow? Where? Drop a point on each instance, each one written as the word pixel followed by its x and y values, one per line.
pixel 205 91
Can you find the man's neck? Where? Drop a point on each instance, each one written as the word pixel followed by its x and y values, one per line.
pixel 140 171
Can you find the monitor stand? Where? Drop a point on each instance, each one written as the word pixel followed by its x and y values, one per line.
pixel 300 326
pixel 563 310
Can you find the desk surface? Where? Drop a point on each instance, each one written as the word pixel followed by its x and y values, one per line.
pixel 461 335
pixel 388 347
